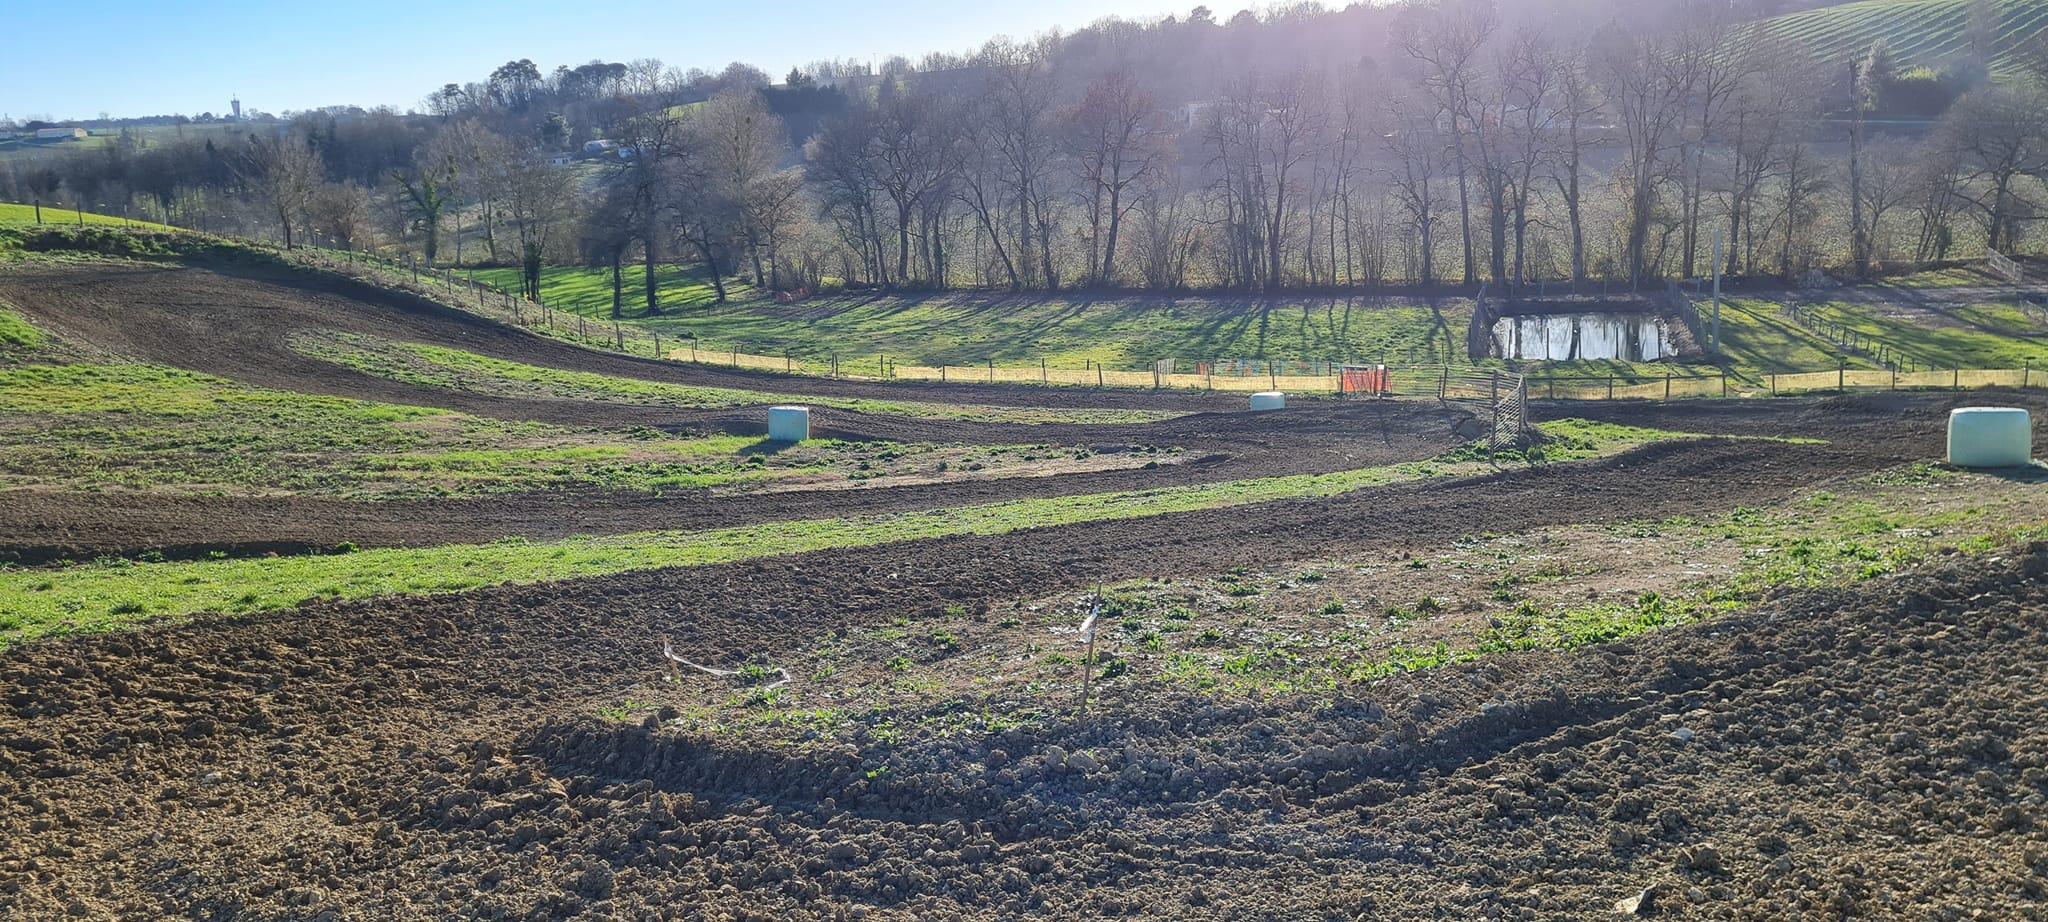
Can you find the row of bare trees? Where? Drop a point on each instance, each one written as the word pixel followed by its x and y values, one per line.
pixel 1475 152
pixel 1475 144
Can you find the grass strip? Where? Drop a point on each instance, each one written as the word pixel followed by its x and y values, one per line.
pixel 113 594
pixel 457 369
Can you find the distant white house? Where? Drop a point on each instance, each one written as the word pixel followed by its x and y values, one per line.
pixel 67 134
pixel 562 159
pixel 593 148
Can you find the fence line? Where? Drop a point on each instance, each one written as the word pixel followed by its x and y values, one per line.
pixel 1432 380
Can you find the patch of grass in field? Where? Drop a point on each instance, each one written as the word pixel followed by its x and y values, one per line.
pixel 588 291
pixel 141 427
pixel 112 594
pixel 1067 330
pixel 456 369
pixel 1761 340
pixel 1920 32
pixel 1951 277
pixel 17 335
pixel 1951 336
pixel 26 215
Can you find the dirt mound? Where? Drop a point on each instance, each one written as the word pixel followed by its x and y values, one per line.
pixel 1875 752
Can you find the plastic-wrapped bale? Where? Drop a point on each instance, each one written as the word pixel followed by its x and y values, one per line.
pixel 789 424
pixel 1269 400
pixel 1990 437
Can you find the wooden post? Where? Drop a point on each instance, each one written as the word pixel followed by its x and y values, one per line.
pixel 1088 658
pixel 1610 387
pixel 1667 387
pixel 1841 377
pixel 1043 378
pixel 1774 384
pixel 1956 383
pixel 991 370
pixel 1098 374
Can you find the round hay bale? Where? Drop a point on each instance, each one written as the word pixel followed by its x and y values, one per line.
pixel 1990 437
pixel 789 424
pixel 1269 400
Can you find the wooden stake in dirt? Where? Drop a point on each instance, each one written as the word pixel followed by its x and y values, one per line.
pixel 1088 658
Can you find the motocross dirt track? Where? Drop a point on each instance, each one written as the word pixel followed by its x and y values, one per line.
pixel 1875 752
pixel 237 322
pixel 382 758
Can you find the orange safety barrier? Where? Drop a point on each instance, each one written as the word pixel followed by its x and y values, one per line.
pixel 1366 381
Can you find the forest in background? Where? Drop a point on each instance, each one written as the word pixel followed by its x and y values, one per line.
pixel 1298 148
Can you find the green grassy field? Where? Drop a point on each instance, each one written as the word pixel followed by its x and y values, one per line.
pixel 131 427
pixel 1920 32
pixel 111 594
pixel 18 336
pixel 455 369
pixel 588 291
pixel 1067 331
pixel 1942 336
pixel 1758 337
pixel 18 215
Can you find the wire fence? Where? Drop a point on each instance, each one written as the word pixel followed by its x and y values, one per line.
pixel 1435 380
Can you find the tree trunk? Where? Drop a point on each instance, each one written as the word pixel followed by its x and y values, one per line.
pixel 652 285
pixel 618 283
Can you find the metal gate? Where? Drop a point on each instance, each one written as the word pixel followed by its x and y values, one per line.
pixel 1500 401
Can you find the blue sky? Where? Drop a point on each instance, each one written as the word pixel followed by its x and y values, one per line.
pixel 79 58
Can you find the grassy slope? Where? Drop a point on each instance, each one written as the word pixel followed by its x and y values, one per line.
pixel 1920 32
pixel 26 215
pixel 969 329
pixel 101 426
pixel 1972 336
pixel 113 594
pixel 1067 331
pixel 18 336
pixel 438 366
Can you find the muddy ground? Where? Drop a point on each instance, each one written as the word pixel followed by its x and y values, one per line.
pixel 1865 753
pixel 440 756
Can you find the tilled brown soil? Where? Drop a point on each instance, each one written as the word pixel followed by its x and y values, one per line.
pixel 431 756
pixel 38 525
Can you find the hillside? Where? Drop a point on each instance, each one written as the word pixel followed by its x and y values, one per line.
pixel 1920 32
